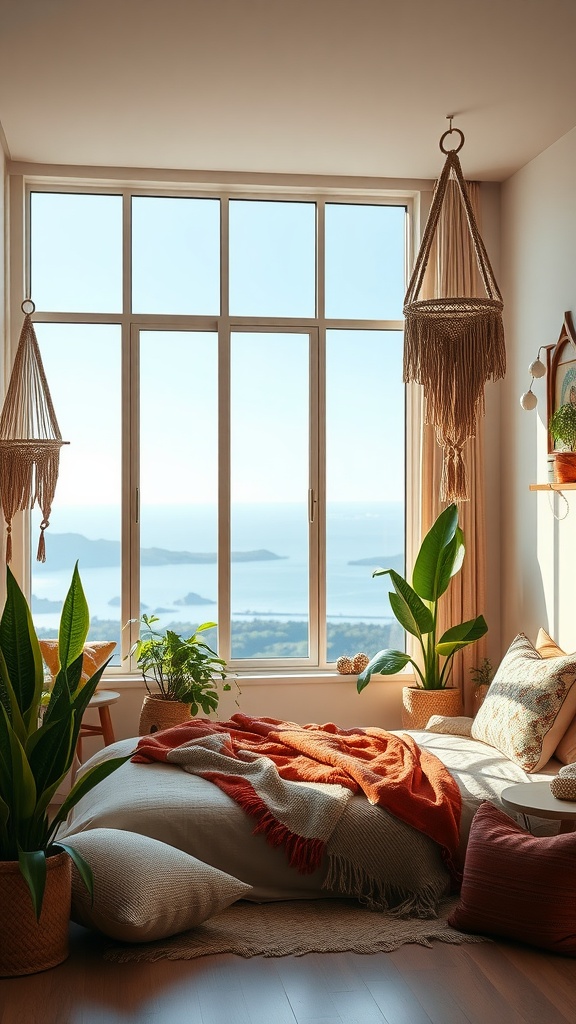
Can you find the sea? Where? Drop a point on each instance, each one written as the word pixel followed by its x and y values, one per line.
pixel 356 532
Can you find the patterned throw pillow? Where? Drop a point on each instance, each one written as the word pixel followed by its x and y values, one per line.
pixel 566 749
pixel 518 886
pixel 145 889
pixel 95 654
pixel 530 704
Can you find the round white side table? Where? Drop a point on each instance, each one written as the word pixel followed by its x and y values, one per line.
pixel 536 798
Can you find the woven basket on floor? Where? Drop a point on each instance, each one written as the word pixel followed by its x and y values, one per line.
pixel 28 945
pixel 419 705
pixel 158 714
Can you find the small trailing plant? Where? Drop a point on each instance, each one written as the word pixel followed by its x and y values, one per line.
pixel 482 674
pixel 39 733
pixel 416 609
pixel 180 669
pixel 562 426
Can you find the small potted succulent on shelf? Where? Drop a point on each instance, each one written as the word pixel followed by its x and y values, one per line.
pixel 181 675
pixel 416 608
pixel 562 430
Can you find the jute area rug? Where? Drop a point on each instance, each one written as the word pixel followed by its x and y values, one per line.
pixel 294 928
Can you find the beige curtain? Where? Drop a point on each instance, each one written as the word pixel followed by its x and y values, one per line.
pixel 452 270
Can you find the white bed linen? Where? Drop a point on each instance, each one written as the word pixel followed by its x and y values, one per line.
pixel 192 814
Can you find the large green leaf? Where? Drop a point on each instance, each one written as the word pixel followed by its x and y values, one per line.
pixel 460 636
pixel 23 782
pixel 84 784
pixel 74 622
pixel 83 868
pixel 408 608
pixel 10 704
pixel 438 554
pixel 386 663
pixel 33 869
pixel 21 651
pixel 53 753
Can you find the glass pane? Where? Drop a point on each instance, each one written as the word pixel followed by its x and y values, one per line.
pixel 76 252
pixel 272 258
pixel 364 488
pixel 178 479
pixel 82 365
pixel 365 261
pixel 269 481
pixel 175 255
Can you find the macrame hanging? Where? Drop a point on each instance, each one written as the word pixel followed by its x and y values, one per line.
pixel 30 439
pixel 453 345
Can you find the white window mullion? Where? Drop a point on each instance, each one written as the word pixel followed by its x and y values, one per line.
pixel 224 608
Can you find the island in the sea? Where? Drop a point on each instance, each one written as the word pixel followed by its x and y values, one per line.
pixel 64 549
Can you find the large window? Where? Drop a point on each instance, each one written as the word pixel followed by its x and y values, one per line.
pixel 227 370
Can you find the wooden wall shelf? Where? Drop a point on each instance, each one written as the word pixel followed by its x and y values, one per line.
pixel 553 487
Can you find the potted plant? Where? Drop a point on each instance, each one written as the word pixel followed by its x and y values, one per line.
pixel 481 676
pixel 37 747
pixel 562 430
pixel 416 608
pixel 180 675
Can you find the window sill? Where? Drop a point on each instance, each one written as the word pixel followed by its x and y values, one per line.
pixel 124 681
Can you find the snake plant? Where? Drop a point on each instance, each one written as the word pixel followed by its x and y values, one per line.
pixel 38 743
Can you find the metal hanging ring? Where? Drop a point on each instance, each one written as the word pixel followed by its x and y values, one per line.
pixel 456 148
pixel 29 303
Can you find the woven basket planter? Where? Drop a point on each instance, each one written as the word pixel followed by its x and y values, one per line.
pixel 419 705
pixel 158 714
pixel 28 945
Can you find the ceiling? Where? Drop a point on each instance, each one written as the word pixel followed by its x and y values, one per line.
pixel 321 87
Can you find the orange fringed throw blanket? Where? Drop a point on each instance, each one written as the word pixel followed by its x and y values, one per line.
pixel 393 772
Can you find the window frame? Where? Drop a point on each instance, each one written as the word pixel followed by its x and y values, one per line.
pixel 224 325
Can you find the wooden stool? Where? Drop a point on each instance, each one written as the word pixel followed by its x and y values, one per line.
pixel 101 700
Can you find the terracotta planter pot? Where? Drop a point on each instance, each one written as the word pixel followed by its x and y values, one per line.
pixel 565 467
pixel 28 945
pixel 158 714
pixel 419 705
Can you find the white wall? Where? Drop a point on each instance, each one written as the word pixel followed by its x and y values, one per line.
pixel 539 284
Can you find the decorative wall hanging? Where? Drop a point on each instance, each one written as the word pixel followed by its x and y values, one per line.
pixel 453 344
pixel 30 438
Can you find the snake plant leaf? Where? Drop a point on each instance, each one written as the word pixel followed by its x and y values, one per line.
pixel 386 663
pixel 411 612
pixel 21 651
pixel 9 702
pixel 74 622
pixel 85 783
pixel 83 868
pixel 23 781
pixel 438 556
pixel 460 636
pixel 33 869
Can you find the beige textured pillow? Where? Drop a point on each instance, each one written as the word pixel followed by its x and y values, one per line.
pixel 144 889
pixel 529 706
pixel 94 655
pixel 459 725
pixel 566 749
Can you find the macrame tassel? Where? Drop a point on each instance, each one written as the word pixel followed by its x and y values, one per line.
pixel 8 543
pixel 41 553
pixel 454 481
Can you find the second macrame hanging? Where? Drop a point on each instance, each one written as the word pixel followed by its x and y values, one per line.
pixel 453 345
pixel 30 438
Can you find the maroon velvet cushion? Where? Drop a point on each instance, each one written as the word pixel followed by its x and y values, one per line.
pixel 518 886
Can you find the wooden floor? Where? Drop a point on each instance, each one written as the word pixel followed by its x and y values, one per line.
pixel 487 983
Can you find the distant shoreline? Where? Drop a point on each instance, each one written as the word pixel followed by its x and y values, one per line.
pixel 64 549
